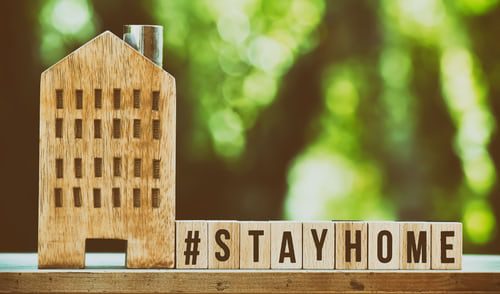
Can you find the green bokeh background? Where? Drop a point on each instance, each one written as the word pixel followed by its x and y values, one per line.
pixel 299 109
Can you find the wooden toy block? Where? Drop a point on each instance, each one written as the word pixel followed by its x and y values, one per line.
pixel 286 245
pixel 255 245
pixel 87 187
pixel 351 250
pixel 191 244
pixel 318 249
pixel 383 245
pixel 223 244
pixel 415 245
pixel 446 246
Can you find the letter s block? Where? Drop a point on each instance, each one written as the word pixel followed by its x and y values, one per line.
pixel 446 246
pixel 351 250
pixel 286 245
pixel 223 244
pixel 415 245
pixel 383 245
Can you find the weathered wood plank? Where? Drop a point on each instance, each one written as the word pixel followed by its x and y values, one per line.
pixel 18 273
pixel 244 281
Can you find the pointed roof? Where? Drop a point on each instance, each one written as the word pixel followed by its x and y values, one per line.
pixel 106 37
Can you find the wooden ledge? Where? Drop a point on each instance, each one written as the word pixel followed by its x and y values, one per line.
pixel 18 273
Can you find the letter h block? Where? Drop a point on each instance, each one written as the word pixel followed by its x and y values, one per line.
pixel 351 251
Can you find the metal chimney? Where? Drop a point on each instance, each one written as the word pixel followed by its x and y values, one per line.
pixel 147 39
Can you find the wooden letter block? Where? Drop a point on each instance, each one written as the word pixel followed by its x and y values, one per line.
pixel 255 245
pixel 415 245
pixel 286 245
pixel 351 248
pixel 383 245
pixel 224 244
pixel 318 245
pixel 192 244
pixel 446 245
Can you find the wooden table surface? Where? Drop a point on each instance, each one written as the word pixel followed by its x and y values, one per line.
pixel 104 273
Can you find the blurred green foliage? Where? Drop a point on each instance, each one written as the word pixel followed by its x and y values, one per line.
pixel 404 126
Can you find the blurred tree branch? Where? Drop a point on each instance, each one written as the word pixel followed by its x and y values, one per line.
pixel 487 48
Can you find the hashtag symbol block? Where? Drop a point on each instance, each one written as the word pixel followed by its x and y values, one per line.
pixel 191 244
pixel 191 251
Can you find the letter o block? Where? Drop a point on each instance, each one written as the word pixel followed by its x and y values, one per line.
pixel 383 245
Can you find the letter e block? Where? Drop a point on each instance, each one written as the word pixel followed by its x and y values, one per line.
pixel 415 245
pixel 351 245
pixel 318 249
pixel 223 244
pixel 191 247
pixel 383 245
pixel 255 245
pixel 286 245
pixel 446 246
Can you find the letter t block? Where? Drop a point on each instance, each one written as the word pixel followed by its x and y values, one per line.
pixel 255 245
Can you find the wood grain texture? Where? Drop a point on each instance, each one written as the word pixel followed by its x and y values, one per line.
pixel 223 244
pixel 97 82
pixel 286 245
pixel 383 245
pixel 255 245
pixel 318 245
pixel 191 244
pixel 259 281
pixel 412 235
pixel 351 256
pixel 446 245
pixel 18 273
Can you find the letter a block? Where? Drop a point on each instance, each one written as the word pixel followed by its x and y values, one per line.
pixel 192 248
pixel 446 246
pixel 318 245
pixel 223 244
pixel 286 245
pixel 352 242
pixel 255 245
pixel 383 245
pixel 415 245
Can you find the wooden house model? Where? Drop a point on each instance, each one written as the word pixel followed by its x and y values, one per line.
pixel 107 156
